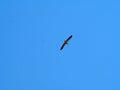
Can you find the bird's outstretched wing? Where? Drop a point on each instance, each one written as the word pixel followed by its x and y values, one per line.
pixel 69 38
pixel 65 42
pixel 62 46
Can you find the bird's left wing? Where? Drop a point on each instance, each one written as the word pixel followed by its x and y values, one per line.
pixel 62 46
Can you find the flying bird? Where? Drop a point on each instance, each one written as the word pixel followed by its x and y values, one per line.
pixel 65 42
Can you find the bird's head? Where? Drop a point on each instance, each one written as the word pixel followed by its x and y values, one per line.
pixel 65 42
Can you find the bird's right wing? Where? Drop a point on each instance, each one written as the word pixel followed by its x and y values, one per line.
pixel 69 38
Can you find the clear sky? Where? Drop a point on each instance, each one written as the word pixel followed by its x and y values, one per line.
pixel 32 32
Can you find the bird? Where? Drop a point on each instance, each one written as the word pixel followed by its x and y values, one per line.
pixel 66 42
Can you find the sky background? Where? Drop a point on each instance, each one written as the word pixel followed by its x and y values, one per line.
pixel 32 32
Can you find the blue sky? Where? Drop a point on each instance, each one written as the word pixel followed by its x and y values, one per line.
pixel 32 32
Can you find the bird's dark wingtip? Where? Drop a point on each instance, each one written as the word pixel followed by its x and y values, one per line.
pixel 61 48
